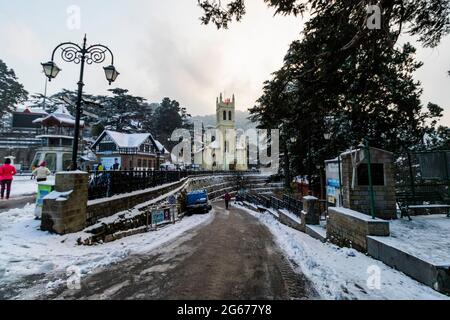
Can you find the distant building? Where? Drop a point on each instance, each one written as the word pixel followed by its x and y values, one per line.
pixel 131 151
pixel 18 135
pixel 56 134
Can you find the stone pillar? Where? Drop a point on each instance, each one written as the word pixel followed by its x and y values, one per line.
pixel 310 213
pixel 64 210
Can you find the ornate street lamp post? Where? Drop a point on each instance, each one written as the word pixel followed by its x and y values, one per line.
pixel 72 52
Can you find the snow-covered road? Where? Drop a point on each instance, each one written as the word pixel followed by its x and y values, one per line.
pixel 232 258
pixel 34 263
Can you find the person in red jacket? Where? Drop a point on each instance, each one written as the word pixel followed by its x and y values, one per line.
pixel 7 171
pixel 227 198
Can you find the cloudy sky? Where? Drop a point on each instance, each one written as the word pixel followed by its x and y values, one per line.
pixel 161 49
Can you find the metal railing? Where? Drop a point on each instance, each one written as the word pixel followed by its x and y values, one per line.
pixel 105 184
pixel 291 204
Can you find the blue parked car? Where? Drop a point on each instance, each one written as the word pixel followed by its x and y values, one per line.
pixel 198 202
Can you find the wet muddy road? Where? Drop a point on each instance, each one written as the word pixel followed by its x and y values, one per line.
pixel 233 257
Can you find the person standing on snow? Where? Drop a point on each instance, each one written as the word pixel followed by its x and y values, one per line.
pixel 42 172
pixel 227 198
pixel 7 171
pixel 116 165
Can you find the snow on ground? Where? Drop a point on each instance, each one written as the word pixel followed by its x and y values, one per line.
pixel 291 216
pixel 24 186
pixel 25 250
pixel 426 237
pixel 342 273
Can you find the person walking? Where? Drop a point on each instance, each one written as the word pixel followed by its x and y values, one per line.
pixel 116 165
pixel 227 198
pixel 42 172
pixel 7 171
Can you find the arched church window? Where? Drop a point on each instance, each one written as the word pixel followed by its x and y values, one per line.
pixel 224 115
pixel 229 115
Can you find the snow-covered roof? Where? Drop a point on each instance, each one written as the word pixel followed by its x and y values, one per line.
pixel 161 147
pixel 348 152
pixel 61 116
pixel 34 110
pixel 128 140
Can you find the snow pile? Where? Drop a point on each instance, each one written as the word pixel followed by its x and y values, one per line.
pixel 342 273
pixel 25 250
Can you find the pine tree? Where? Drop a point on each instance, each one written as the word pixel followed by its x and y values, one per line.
pixel 11 91
pixel 362 91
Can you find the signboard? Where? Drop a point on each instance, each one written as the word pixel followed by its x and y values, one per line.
pixel 108 162
pixel 163 215
pixel 43 190
pixel 157 217
pixel 333 183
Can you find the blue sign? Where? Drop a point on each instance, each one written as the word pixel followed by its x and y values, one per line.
pixel 333 183
pixel 108 163
pixel 158 217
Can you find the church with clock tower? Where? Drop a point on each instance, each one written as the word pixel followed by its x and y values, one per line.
pixel 226 151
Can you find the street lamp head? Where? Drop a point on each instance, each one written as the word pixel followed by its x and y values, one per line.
pixel 111 73
pixel 51 70
pixel 327 136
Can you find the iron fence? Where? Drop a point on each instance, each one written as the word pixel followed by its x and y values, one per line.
pixel 104 184
pixel 291 204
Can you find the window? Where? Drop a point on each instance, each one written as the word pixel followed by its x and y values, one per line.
pixel 50 159
pixel 67 161
pixel 229 115
pixel 139 163
pixel 66 142
pixel 53 142
pixel 224 115
pixel 377 174
pixel 102 147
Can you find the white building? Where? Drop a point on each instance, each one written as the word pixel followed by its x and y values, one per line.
pixel 224 149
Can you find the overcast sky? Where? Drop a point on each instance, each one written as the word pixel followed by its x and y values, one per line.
pixel 161 49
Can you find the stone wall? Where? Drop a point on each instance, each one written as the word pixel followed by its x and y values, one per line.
pixel 64 210
pixel 358 198
pixel 101 208
pixel 348 228
pixel 289 221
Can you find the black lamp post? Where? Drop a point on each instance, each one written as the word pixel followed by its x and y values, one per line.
pixel 158 155
pixel 72 52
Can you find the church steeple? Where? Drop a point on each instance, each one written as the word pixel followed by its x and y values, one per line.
pixel 225 111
